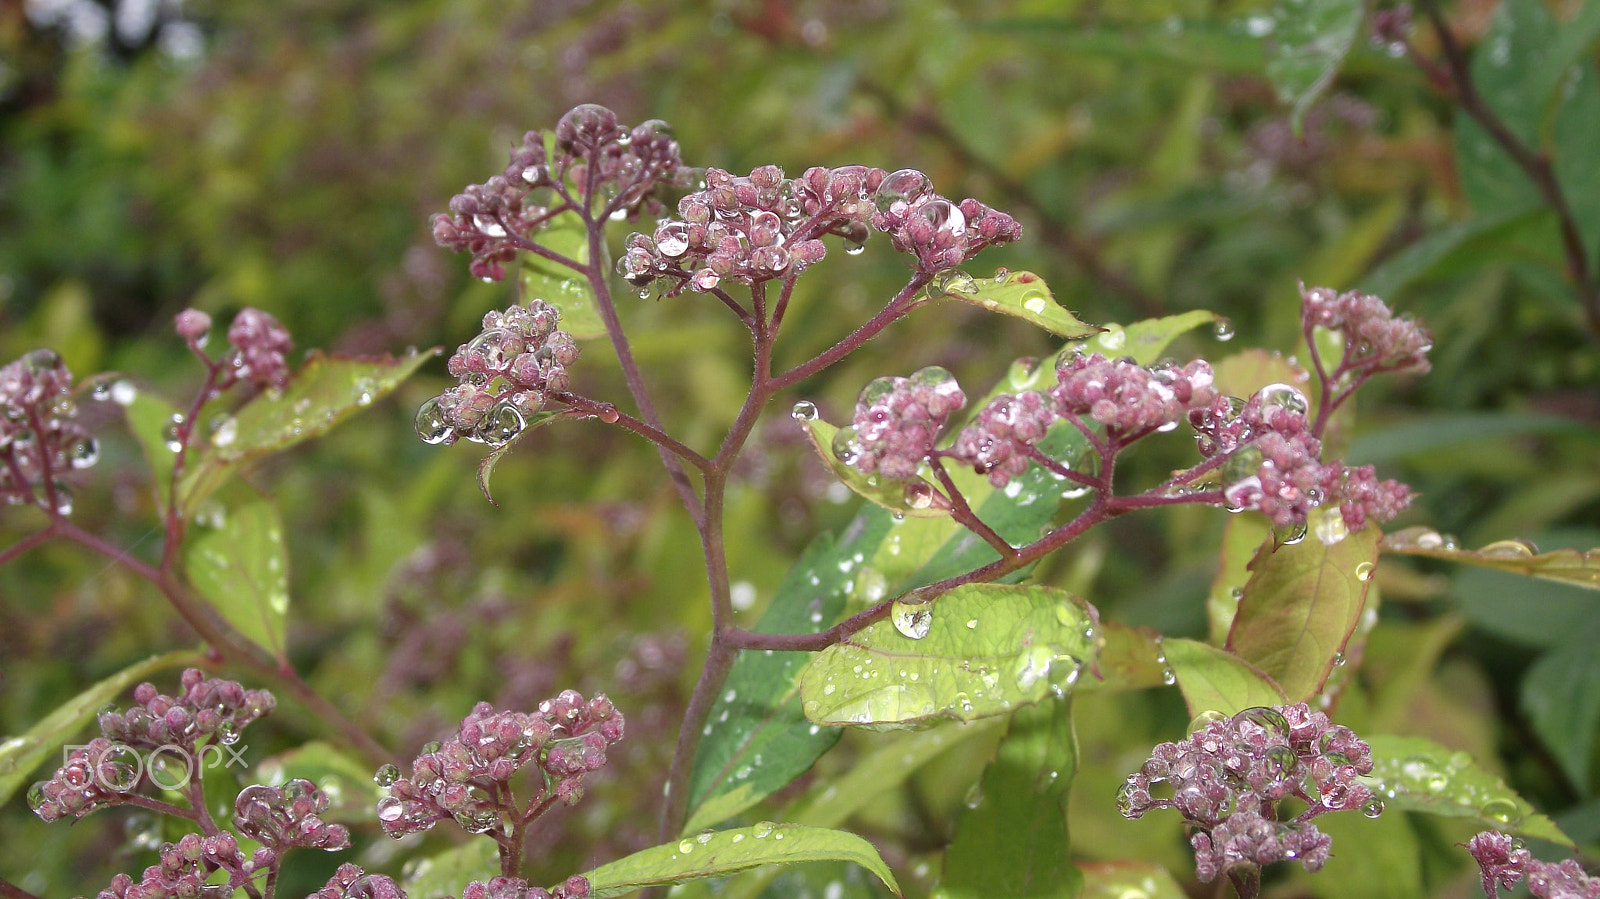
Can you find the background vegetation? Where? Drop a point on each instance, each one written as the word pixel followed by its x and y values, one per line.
pixel 286 156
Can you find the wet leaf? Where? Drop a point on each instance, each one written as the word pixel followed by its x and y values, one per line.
pixel 976 651
pixel 1215 679
pixel 487 466
pixel 20 755
pixel 1014 842
pixel 1300 606
pixel 759 740
pixel 562 287
pixel 149 418
pixel 1129 659
pixel 1310 39
pixel 720 853
pixel 1418 775
pixel 242 569
pixel 443 874
pixel 1127 880
pixel 1568 566
pixel 323 392
pixel 1560 694
pixel 1242 536
pixel 1022 295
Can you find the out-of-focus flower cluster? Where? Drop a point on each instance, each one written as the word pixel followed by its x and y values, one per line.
pixel 1504 860
pixel 765 226
pixel 897 420
pixel 1227 778
pixel 351 882
pixel 258 347
pixel 185 867
pixel 1374 338
pixel 102 772
pixel 507 373
pixel 39 433
pixel 467 778
pixel 279 818
pixel 595 156
pixel 1276 465
pixel 574 887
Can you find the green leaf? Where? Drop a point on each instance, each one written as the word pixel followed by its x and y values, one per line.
pixel 1506 70
pixel 1191 43
pixel 1129 659
pixel 566 289
pixel 20 755
pixel 487 466
pixel 443 874
pixel 1242 536
pixel 1022 295
pixel 985 649
pixel 1127 880
pixel 352 795
pixel 720 853
pixel 242 569
pixel 325 391
pixel 1561 697
pixel 1575 137
pixel 1418 775
pixel 1376 859
pixel 1484 233
pixel 1300 606
pixel 1014 842
pixel 893 494
pixel 1310 41
pixel 1214 679
pixel 149 415
pixel 760 740
pixel 1568 566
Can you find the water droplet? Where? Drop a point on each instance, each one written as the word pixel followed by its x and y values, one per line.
pixel 431 747
pixel 900 190
pixel 85 453
pixel 1223 329
pixel 1001 275
pixel 761 829
pixel 846 448
pixel 974 797
pixel 1281 396
pixel 1364 571
pixel 39 361
pixel 1372 808
pixel 433 426
pixel 1035 303
pixel 1329 525
pixel 852 248
pixel 1292 534
pixel 912 620
pixel 946 218
pixel 804 411
pixel 1266 717
pixel 1113 339
pixel 63 500
pixel 224 430
pixel 1509 549
pixel 954 281
pixel 686 846
pixel 1169 676
pixel 172 435
pixel 1205 718
pixel 123 393
pixel 502 423
pixel 1501 810
pixel 1339 660
pixel 919 494
pixel 386 776
pixel 672 239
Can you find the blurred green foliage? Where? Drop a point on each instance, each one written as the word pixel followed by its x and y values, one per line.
pixel 287 155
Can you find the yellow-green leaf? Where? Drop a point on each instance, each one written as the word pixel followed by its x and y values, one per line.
pixel 1020 294
pixel 1568 566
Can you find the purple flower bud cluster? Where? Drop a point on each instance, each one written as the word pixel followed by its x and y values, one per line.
pixel 1276 466
pixel 1128 398
pixel 593 152
pixel 1374 339
pixel 351 882
pixel 260 345
pixel 39 434
pixel 752 229
pixel 1504 860
pixel 1227 778
pixel 896 422
pixel 279 818
pixel 941 234
pixel 208 708
pixel 995 442
pixel 574 887
pixel 507 373
pixel 94 776
pixel 185 869
pixel 467 778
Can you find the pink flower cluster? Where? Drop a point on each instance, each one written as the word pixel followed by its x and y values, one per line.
pixel 39 434
pixel 185 868
pixel 574 887
pixel 1504 860
pixel 287 816
pixel 1374 339
pixel 507 373
pixel 897 420
pixel 996 440
pixel 1227 778
pixel 467 777
pixel 1128 398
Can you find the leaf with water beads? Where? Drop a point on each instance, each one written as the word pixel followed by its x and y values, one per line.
pixel 1214 679
pixel 1023 295
pixel 983 650
pixel 324 392
pixel 1128 880
pixel 1416 774
pixel 1310 39
pixel 1568 566
pixel 21 754
pixel 564 288
pixel 912 497
pixel 242 568
pixel 720 853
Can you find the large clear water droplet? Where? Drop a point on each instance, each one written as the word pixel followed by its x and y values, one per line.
pixel 433 426
pixel 946 218
pixel 900 190
pixel 804 411
pixel 85 453
pixel 672 239
pixel 502 423
pixel 386 776
pixel 912 620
